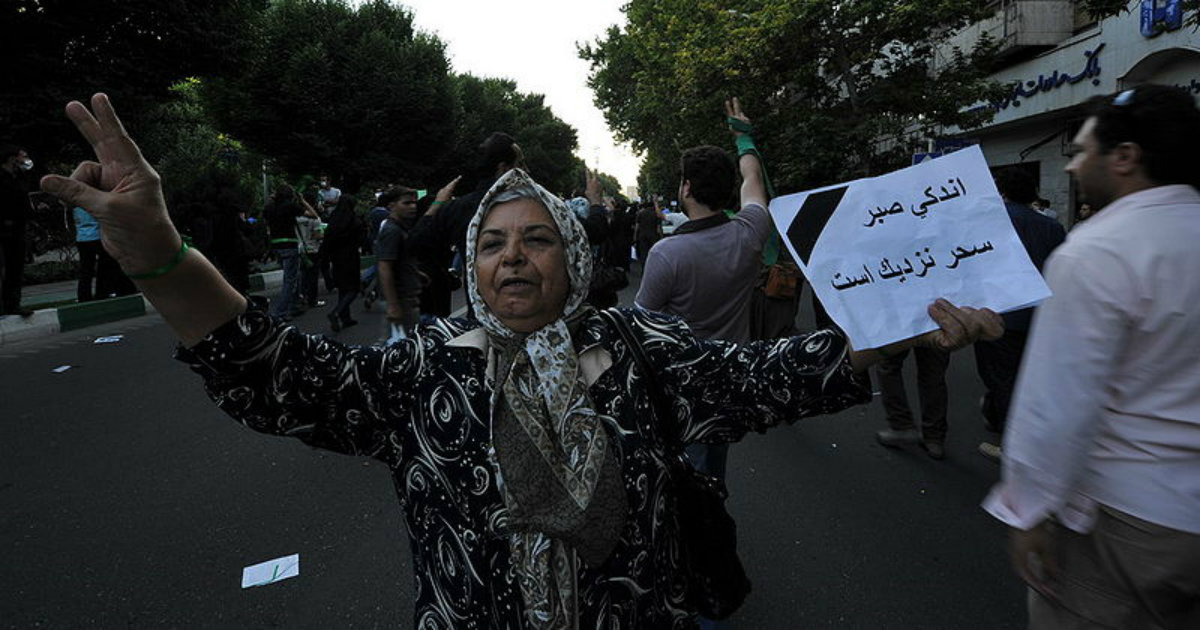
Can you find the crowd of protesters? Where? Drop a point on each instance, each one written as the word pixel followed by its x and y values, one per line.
pixel 539 442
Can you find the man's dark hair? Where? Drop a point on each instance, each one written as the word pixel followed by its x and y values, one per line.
pixel 8 150
pixel 710 171
pixel 394 193
pixel 1016 185
pixel 1160 119
pixel 496 148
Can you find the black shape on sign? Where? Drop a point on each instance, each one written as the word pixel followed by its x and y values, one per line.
pixel 811 219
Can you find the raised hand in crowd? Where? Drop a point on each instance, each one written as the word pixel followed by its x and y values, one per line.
pixel 444 195
pixel 733 109
pixel 124 193
pixel 120 189
pixel 595 190
pixel 447 192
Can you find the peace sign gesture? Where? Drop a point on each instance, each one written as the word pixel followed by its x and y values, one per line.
pixel 733 112
pixel 120 189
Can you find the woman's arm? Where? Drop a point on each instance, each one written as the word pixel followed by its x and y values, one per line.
pixel 721 390
pixel 270 377
pixel 276 380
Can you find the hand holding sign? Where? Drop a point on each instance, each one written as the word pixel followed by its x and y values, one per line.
pixel 879 251
pixel 959 327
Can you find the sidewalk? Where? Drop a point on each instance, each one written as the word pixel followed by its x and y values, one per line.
pixel 55 309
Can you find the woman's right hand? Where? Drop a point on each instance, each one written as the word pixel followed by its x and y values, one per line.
pixel 120 189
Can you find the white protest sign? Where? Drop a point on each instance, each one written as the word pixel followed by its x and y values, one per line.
pixel 879 250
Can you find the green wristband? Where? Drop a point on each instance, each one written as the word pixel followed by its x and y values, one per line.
pixel 745 144
pixel 165 269
pixel 739 125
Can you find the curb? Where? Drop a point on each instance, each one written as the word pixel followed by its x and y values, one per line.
pixel 51 321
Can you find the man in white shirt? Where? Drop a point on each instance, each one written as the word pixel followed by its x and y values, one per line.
pixel 328 195
pixel 1101 467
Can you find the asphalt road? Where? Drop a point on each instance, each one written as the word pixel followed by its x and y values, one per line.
pixel 128 500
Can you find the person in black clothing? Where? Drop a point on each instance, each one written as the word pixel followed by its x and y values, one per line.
pixel 15 211
pixel 620 239
pixel 231 247
pixel 444 227
pixel 647 230
pixel 998 361
pixel 435 296
pixel 606 279
pixel 340 248
pixel 281 215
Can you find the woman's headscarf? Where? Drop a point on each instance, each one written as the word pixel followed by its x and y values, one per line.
pixel 543 391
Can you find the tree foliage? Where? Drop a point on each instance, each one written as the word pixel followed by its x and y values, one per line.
pixel 180 141
pixel 315 85
pixel 353 91
pixel 134 50
pixel 487 105
pixel 836 90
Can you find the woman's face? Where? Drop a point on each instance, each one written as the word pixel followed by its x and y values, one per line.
pixel 521 265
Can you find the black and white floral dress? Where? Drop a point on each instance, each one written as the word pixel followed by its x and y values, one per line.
pixel 422 407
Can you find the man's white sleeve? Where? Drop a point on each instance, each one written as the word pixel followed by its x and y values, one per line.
pixel 1075 344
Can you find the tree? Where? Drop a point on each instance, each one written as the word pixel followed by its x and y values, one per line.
pixel 836 90
pixel 486 105
pixel 179 139
pixel 134 50
pixel 353 91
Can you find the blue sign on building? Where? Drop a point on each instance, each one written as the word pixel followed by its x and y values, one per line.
pixel 925 157
pixel 946 146
pixel 1161 15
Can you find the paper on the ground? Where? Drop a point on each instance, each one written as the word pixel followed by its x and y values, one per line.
pixel 112 339
pixel 879 250
pixel 271 571
pixel 60 369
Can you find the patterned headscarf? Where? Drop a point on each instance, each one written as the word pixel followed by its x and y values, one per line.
pixel 543 391
pixel 579 206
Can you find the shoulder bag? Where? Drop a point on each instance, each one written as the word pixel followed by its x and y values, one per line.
pixel 717 582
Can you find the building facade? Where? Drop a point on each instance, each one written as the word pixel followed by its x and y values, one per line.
pixel 1056 59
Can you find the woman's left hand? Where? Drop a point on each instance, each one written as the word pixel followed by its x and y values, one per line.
pixel 960 326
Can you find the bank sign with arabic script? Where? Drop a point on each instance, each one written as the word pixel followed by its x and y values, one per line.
pixel 878 251
pixel 1025 89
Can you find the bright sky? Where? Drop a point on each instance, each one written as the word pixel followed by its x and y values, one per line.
pixel 533 43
